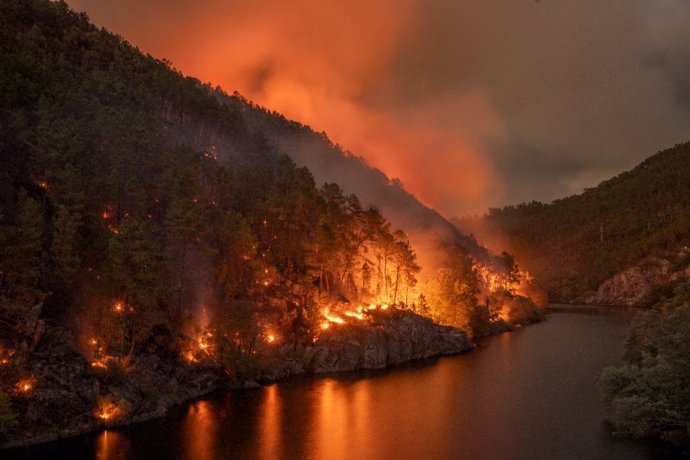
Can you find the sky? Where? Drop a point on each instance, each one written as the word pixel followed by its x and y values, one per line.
pixel 470 104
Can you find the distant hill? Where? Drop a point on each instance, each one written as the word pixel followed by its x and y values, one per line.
pixel 573 244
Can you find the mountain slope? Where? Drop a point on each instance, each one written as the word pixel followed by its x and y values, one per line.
pixel 573 244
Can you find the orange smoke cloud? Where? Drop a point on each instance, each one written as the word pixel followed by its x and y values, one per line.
pixel 317 62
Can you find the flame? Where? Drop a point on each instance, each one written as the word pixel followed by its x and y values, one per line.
pixel 271 338
pixel 360 313
pixel 201 344
pixel 107 410
pixel 100 364
pixel 25 385
pixel 5 355
pixel 353 314
pixel 119 306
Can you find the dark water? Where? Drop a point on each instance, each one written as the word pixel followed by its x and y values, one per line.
pixel 525 395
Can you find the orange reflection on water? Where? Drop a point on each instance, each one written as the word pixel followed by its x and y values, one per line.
pixel 343 422
pixel 270 428
pixel 199 431
pixel 112 445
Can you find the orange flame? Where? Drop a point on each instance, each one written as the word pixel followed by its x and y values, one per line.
pixel 25 385
pixel 107 410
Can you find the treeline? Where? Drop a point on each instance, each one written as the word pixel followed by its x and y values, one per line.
pixel 575 243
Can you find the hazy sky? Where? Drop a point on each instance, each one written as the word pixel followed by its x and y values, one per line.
pixel 469 103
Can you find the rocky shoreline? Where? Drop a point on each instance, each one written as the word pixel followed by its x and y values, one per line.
pixel 68 397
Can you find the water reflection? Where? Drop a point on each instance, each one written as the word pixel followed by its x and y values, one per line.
pixel 199 431
pixel 270 425
pixel 111 445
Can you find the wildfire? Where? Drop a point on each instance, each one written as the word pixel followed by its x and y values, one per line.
pixel 100 364
pixel 5 355
pixel 360 313
pixel 119 306
pixel 201 344
pixel 332 318
pixel 352 314
pixel 25 385
pixel 107 410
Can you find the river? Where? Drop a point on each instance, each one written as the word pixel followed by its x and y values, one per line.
pixel 529 394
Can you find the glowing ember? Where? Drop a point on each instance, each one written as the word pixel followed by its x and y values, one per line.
pixel 119 306
pixel 43 184
pixel 271 338
pixel 25 385
pixel 353 314
pixel 93 342
pixel 99 364
pixel 325 325
pixel 332 318
pixel 107 410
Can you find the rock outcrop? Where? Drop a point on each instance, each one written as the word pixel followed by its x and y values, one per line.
pixel 633 286
pixel 388 338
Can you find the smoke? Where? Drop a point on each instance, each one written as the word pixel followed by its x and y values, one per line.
pixel 469 104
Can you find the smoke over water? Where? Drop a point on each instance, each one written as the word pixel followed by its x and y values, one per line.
pixel 469 104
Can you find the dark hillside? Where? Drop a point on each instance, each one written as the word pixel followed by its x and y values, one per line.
pixel 572 245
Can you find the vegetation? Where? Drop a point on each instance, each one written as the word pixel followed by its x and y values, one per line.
pixel 648 395
pixel 575 243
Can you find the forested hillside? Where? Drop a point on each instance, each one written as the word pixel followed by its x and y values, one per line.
pixel 142 210
pixel 573 244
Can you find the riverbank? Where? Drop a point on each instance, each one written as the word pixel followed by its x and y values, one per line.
pixel 65 395
pixel 525 395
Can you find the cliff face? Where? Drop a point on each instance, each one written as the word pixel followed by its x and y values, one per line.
pixel 636 286
pixel 392 337
pixel 633 286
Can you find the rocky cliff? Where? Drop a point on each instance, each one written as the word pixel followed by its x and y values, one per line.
pixel 638 285
pixel 390 338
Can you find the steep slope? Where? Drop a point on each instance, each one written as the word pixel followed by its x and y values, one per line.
pixel 574 244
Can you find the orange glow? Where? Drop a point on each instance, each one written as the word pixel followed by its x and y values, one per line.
pixel 282 58
pixel 25 385
pixel 5 355
pixel 100 364
pixel 43 184
pixel 353 314
pixel 202 345
pixel 271 338
pixel 119 306
pixel 107 410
